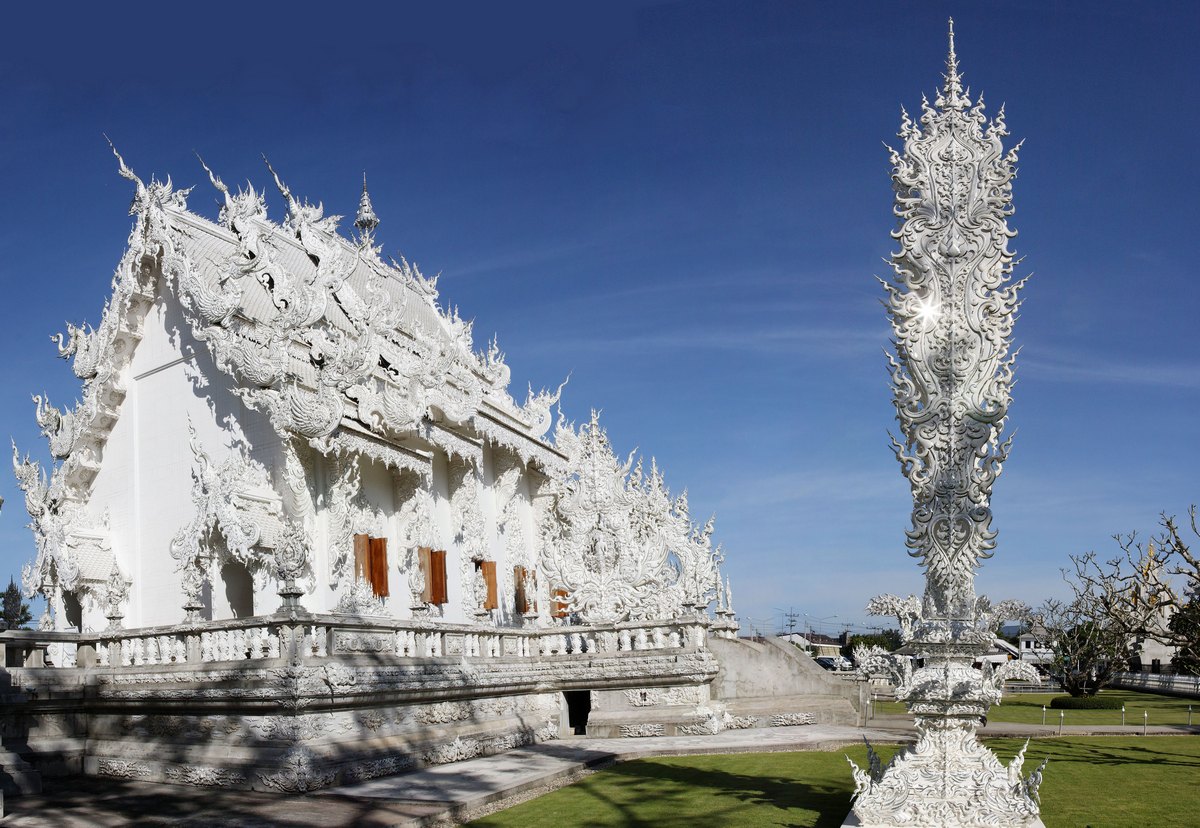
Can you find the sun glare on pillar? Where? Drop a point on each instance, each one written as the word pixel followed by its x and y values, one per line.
pixel 928 312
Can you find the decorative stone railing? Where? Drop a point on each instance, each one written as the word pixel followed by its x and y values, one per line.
pixel 307 637
pixel 1171 684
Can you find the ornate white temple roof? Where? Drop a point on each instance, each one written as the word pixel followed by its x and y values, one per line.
pixel 316 329
pixel 336 346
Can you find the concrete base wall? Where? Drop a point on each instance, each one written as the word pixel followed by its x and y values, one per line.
pixel 277 726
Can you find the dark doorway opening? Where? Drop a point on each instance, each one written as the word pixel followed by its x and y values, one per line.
pixel 579 705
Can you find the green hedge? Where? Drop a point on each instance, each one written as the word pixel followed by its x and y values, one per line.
pixel 1085 703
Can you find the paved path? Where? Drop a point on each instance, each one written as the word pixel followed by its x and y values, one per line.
pixel 440 795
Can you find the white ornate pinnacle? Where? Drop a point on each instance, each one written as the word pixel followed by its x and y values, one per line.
pixel 365 220
pixel 616 541
pixel 952 307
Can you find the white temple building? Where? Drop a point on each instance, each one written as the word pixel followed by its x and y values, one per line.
pixel 298 531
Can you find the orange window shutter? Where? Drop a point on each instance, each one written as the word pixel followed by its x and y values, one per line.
pixel 423 554
pixel 520 599
pixel 379 567
pixel 362 557
pixel 489 578
pixel 437 560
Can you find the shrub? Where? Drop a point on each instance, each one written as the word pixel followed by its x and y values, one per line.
pixel 1085 703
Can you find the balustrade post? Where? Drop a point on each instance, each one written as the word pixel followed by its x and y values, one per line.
pixel 291 642
pixel 192 641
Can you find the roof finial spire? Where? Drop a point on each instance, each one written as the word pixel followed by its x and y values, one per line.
pixel 952 60
pixel 366 221
pixel 952 96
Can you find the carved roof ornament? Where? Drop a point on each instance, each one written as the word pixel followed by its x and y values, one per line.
pixel 302 215
pixel 365 220
pixel 154 194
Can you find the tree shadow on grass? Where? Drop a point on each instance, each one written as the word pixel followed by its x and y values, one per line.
pixel 1103 752
pixel 672 790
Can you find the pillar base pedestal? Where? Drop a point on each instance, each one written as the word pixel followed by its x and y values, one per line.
pixel 852 822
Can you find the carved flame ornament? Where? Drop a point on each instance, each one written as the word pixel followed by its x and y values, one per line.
pixel 952 305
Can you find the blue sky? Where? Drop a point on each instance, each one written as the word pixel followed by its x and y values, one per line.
pixel 684 205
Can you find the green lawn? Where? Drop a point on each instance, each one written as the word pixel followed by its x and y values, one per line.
pixel 1026 708
pixel 1102 782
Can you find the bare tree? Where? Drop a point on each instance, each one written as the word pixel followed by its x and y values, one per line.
pixel 1088 648
pixel 1141 589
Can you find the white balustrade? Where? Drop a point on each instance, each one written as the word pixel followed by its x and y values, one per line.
pixel 241 641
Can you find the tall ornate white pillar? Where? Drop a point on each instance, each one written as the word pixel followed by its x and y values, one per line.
pixel 952 306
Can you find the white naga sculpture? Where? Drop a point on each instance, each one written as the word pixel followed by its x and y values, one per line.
pixel 952 306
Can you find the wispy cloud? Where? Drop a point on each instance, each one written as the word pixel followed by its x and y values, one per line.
pixel 839 342
pixel 501 261
pixel 810 488
pixel 1065 366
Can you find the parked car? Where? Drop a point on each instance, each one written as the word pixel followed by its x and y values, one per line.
pixel 834 663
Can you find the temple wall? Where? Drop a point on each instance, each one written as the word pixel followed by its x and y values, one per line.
pixel 145 477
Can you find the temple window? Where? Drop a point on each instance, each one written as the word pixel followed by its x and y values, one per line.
pixel 238 589
pixel 433 567
pixel 370 563
pixel 522 581
pixel 488 568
